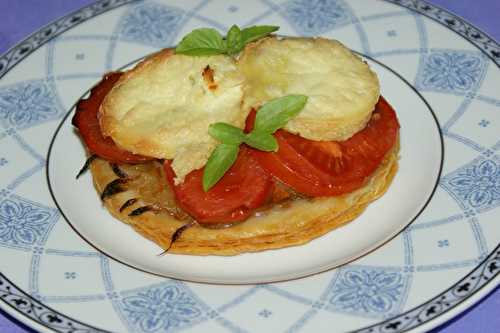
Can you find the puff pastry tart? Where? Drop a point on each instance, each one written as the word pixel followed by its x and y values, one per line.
pixel 148 131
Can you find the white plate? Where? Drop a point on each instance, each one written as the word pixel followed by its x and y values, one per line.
pixel 412 282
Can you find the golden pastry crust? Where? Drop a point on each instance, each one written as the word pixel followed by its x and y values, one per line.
pixel 163 107
pixel 293 223
pixel 342 89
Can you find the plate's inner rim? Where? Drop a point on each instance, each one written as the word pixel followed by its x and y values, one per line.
pixel 391 236
pixel 9 59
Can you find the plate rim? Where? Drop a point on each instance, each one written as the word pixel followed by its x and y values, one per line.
pixel 482 42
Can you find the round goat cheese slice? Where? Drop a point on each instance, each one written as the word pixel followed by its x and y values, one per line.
pixel 163 107
pixel 342 89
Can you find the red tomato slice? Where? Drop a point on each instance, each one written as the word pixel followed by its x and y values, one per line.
pixel 85 119
pixel 328 168
pixel 244 187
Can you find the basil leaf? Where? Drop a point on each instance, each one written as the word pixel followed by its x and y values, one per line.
pixel 255 32
pixel 226 133
pixel 202 42
pixel 261 141
pixel 234 40
pixel 270 117
pixel 218 163
pixel 277 112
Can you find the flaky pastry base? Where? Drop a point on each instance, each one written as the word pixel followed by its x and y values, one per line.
pixel 294 223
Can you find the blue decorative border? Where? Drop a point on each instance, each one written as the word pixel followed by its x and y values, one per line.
pixel 12 57
pixel 472 34
pixel 461 291
pixel 486 271
pixel 42 314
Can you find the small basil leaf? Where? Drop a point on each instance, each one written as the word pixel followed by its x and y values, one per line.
pixel 277 112
pixel 261 141
pixel 218 163
pixel 255 32
pixel 234 40
pixel 202 42
pixel 226 133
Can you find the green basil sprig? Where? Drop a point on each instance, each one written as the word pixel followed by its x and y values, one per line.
pixel 271 116
pixel 208 41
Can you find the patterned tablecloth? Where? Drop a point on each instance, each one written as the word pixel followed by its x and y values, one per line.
pixel 23 17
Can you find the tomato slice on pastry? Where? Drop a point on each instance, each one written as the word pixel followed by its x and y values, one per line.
pixel 244 187
pixel 327 168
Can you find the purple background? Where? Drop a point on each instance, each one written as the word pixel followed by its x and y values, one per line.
pixel 22 17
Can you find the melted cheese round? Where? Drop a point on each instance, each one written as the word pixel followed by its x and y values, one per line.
pixel 162 108
pixel 342 89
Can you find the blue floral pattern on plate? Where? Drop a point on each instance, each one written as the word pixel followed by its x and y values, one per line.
pixel 451 71
pixel 27 104
pixel 161 309
pixel 317 16
pixel 151 24
pixel 23 223
pixel 368 291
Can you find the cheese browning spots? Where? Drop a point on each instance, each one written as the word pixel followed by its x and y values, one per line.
pixel 208 76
